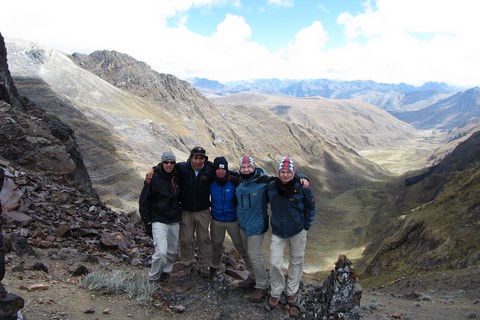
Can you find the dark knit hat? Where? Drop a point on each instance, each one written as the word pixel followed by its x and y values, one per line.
pixel 246 159
pixel 286 164
pixel 220 163
pixel 168 156
pixel 198 151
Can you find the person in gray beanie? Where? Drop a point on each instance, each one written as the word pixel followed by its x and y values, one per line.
pixel 168 156
pixel 196 174
pixel 160 210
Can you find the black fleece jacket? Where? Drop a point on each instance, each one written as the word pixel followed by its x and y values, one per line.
pixel 160 199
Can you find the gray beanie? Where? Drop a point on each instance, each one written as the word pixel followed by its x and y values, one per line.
pixel 168 155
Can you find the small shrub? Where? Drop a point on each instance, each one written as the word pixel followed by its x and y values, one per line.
pixel 134 285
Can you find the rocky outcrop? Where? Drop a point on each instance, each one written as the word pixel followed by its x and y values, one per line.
pixel 8 92
pixel 35 139
pixel 137 77
pixel 40 212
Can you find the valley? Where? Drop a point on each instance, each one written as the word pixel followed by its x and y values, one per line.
pixel 400 201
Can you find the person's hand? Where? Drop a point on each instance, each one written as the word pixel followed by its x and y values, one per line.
pixel 148 230
pixel 149 175
pixel 304 183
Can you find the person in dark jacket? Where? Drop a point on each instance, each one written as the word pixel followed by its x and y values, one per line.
pixel 292 214
pixel 196 174
pixel 161 213
pixel 253 221
pixel 224 214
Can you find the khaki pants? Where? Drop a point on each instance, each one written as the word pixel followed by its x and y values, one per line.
pixel 295 266
pixel 194 233
pixel 254 246
pixel 217 231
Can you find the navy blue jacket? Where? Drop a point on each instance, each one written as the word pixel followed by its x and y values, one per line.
pixel 293 208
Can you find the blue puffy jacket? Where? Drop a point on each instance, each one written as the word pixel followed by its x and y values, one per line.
pixel 223 200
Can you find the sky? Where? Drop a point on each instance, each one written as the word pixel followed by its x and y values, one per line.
pixel 388 41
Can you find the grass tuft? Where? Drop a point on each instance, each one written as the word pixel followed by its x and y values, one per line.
pixel 134 285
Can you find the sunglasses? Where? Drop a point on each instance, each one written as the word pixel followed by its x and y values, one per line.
pixel 168 162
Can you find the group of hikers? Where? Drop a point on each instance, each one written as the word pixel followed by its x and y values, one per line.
pixel 196 202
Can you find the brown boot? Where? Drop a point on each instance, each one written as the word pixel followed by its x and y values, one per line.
pixel 257 295
pixel 247 283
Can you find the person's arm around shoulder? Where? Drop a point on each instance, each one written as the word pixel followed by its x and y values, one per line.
pixel 149 175
pixel 303 179
pixel 309 208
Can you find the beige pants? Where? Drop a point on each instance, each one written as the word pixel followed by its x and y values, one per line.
pixel 194 233
pixel 295 264
pixel 217 231
pixel 254 246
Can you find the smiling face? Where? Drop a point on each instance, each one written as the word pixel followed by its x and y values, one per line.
pixel 221 173
pixel 285 175
pixel 198 162
pixel 246 169
pixel 168 165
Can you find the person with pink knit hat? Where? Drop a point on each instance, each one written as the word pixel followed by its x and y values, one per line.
pixel 293 211
pixel 253 221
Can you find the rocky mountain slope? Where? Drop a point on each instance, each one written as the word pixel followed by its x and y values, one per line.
pixel 57 228
pixel 447 114
pixel 125 115
pixel 434 220
pixel 342 121
pixel 35 139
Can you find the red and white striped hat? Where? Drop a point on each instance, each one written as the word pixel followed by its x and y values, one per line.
pixel 246 159
pixel 286 164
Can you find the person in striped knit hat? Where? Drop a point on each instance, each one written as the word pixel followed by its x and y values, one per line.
pixel 293 211
pixel 253 221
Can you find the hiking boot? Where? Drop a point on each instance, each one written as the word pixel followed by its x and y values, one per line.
pixel 257 295
pixel 182 269
pixel 164 277
pixel 247 283
pixel 291 300
pixel 273 302
pixel 204 272
pixel 213 271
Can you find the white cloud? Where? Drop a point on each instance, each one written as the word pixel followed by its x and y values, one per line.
pixel 414 41
pixel 390 41
pixel 281 3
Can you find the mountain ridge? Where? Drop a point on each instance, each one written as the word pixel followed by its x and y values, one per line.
pixel 122 130
pixel 396 229
pixel 390 97
pixel 447 114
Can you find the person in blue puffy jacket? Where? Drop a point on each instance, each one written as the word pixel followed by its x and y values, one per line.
pixel 224 214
